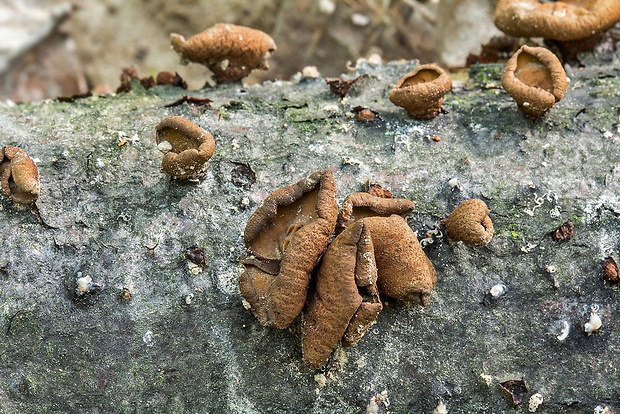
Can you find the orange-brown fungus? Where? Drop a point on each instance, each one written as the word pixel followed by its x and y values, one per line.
pixel 421 91
pixel 535 79
pixel 231 52
pixel 374 254
pixel 285 237
pixel 19 176
pixel 559 20
pixel 470 223
pixel 361 205
pixel 188 147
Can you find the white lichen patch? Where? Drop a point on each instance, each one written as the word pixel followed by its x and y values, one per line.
pixel 535 401
pixel 498 290
pixel 194 268
pixel 148 338
pixel 165 147
pixel 376 400
pixel 441 408
pixel 320 380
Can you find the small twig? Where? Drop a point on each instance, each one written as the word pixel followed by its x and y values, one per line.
pixel 16 314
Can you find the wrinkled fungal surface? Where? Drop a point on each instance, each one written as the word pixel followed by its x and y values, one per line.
pixel 558 20
pixel 19 175
pixel 373 253
pixel 231 52
pixel 420 92
pixel 535 79
pixel 360 205
pixel 285 237
pixel 470 223
pixel 188 147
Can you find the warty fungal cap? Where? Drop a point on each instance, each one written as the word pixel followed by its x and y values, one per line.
pixel 470 223
pixel 535 79
pixel 188 147
pixel 19 176
pixel 421 91
pixel 231 52
pixel 285 237
pixel 559 20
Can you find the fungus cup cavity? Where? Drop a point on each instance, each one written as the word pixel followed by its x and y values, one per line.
pixel 420 92
pixel 285 237
pixel 470 223
pixel 559 20
pixel 231 52
pixel 188 148
pixel 19 176
pixel 535 79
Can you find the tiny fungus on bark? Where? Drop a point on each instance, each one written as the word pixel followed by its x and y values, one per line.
pixel 231 52
pixel 563 233
pixel 558 20
pixel 19 176
pixel 374 254
pixel 610 269
pixel 535 79
pixel 285 237
pixel 360 205
pixel 470 223
pixel 421 91
pixel 188 147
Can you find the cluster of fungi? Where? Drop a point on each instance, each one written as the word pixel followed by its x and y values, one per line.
pixel 373 254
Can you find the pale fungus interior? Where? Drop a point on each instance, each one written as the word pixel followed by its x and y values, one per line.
pixel 178 140
pixel 275 238
pixel 423 76
pixel 532 72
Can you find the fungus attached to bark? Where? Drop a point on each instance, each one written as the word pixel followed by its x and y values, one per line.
pixel 361 205
pixel 535 79
pixel 421 91
pixel 19 176
pixel 285 237
pixel 470 223
pixel 231 52
pixel 188 147
pixel 558 20
pixel 374 254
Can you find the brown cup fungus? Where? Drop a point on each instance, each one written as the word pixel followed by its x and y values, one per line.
pixel 470 223
pixel 535 79
pixel 360 205
pixel 188 148
pixel 19 176
pixel 421 91
pixel 373 254
pixel 559 20
pixel 285 237
pixel 231 52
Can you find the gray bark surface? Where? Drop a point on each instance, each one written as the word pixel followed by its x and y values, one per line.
pixel 109 212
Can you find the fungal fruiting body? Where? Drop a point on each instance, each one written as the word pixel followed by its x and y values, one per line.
pixel 470 223
pixel 360 205
pixel 566 325
pixel 231 52
pixel 420 92
pixel 285 237
pixel 558 20
pixel 535 79
pixel 497 290
pixel 535 401
pixel 373 254
pixel 19 176
pixel 187 147
pixel 593 324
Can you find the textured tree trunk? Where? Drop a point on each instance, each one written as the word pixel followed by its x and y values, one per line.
pixel 185 343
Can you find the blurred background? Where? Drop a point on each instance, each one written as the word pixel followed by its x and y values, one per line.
pixel 51 48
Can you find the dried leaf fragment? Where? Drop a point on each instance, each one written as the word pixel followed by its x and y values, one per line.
pixel 231 52
pixel 285 237
pixel 610 270
pixel 19 175
pixel 470 223
pixel 515 390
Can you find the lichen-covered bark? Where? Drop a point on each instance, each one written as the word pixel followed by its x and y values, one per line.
pixel 185 341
